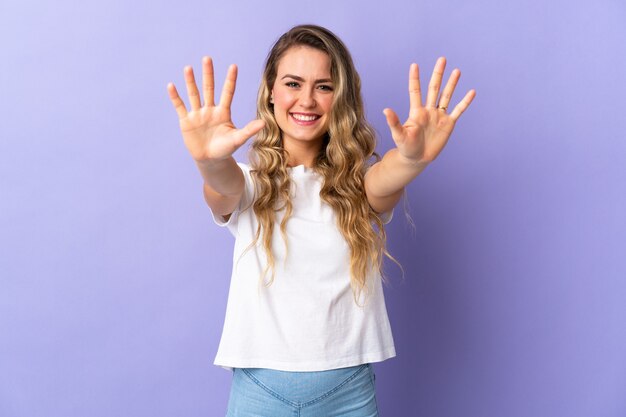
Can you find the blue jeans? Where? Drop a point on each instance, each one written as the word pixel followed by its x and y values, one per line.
pixel 346 392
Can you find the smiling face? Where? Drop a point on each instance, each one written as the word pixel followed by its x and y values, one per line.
pixel 302 96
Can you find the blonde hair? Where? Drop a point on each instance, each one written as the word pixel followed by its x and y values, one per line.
pixel 347 153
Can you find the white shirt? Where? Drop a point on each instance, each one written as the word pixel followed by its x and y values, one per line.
pixel 307 319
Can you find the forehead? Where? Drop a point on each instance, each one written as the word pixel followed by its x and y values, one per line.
pixel 305 62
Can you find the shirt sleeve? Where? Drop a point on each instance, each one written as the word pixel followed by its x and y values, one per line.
pixel 247 199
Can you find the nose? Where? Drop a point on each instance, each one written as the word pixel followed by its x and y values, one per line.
pixel 307 98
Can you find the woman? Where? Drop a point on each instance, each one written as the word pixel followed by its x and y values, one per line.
pixel 306 314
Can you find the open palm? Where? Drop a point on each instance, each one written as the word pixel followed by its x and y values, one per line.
pixel 207 129
pixel 427 130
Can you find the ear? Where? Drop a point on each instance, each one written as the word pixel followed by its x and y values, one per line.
pixel 272 95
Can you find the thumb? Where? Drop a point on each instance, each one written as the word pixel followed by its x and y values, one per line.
pixel 394 124
pixel 248 131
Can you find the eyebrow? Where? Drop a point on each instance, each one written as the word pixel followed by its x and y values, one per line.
pixel 295 77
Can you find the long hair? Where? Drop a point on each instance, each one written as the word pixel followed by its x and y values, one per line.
pixel 347 152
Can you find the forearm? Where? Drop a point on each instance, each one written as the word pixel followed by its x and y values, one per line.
pixel 223 185
pixel 385 180
pixel 224 177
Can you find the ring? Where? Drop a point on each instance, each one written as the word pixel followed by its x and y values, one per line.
pixel 442 108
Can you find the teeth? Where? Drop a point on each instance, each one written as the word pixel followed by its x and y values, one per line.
pixel 304 118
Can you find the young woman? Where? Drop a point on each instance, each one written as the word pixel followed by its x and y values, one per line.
pixel 306 314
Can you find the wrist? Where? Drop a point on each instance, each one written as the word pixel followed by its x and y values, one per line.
pixel 411 162
pixel 212 163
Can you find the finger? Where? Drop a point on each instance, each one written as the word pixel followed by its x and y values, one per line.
pixel 248 131
pixel 415 92
pixel 394 124
pixel 446 95
pixel 463 105
pixel 179 105
pixel 192 89
pixel 435 82
pixel 208 83
pixel 228 91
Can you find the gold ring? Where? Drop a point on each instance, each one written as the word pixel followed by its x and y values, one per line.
pixel 442 108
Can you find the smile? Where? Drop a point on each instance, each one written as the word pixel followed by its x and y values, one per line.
pixel 304 119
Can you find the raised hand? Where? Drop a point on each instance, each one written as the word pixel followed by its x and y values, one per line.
pixel 427 130
pixel 207 129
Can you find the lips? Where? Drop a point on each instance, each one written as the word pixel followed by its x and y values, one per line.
pixel 305 119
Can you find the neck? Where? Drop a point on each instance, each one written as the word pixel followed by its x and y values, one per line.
pixel 302 153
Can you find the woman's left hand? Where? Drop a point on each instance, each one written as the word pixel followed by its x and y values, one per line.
pixel 427 130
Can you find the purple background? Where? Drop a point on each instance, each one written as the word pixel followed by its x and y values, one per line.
pixel 114 279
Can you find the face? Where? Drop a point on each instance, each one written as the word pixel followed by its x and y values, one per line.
pixel 302 96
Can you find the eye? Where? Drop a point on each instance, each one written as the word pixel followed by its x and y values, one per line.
pixel 325 87
pixel 292 84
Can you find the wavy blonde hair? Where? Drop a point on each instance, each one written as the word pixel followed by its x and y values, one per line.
pixel 347 153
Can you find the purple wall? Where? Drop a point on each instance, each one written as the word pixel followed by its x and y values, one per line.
pixel 114 279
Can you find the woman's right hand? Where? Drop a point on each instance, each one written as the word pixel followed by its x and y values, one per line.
pixel 207 129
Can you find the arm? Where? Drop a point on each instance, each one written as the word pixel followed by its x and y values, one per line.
pixel 418 141
pixel 386 179
pixel 225 176
pixel 211 138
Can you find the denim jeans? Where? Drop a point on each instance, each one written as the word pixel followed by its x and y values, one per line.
pixel 346 392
